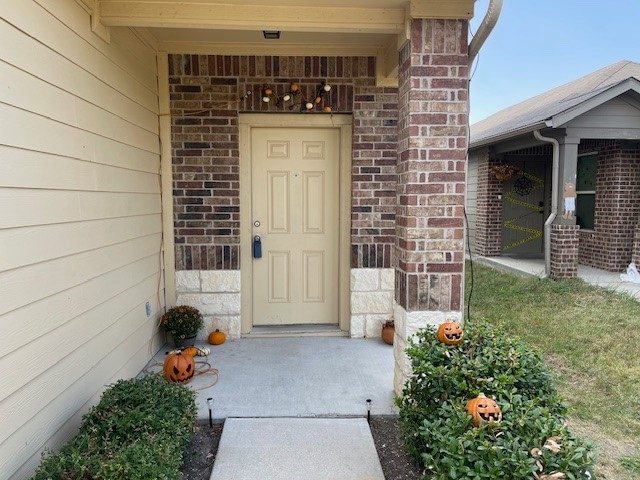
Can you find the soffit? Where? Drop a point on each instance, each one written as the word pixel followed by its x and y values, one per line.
pixel 308 27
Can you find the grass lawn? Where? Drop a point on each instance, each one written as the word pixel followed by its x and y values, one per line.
pixel 591 336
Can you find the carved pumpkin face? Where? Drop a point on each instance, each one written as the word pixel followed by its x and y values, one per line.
pixel 179 368
pixel 483 408
pixel 450 333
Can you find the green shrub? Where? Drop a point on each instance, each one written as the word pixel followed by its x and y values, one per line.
pixel 438 431
pixel 139 430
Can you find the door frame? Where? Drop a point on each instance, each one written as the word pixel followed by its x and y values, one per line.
pixel 343 123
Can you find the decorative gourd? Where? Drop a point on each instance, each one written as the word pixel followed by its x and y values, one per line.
pixel 450 333
pixel 193 351
pixel 179 368
pixel 216 338
pixel 483 408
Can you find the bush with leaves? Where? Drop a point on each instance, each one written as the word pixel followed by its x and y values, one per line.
pixel 531 441
pixel 139 430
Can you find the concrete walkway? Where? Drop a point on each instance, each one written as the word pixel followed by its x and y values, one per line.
pixel 296 448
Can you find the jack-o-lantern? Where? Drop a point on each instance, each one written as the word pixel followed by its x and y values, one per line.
pixel 483 408
pixel 179 368
pixel 450 333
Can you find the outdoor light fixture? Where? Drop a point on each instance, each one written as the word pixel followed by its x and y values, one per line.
pixel 210 405
pixel 368 411
pixel 271 34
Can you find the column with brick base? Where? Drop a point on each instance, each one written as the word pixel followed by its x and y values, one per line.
pixel 564 251
pixel 432 143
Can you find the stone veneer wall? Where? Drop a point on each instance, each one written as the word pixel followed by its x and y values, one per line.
pixel 371 300
pixel 216 293
pixel 610 244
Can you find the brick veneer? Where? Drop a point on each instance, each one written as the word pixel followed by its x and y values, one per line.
pixel 374 178
pixel 205 92
pixel 431 166
pixel 610 244
pixel 636 246
pixel 488 241
pixel 432 146
pixel 564 251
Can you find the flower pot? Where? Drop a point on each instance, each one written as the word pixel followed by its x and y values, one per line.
pixel 185 342
pixel 503 176
pixel 388 331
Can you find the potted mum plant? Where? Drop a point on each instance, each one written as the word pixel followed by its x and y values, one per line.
pixel 183 323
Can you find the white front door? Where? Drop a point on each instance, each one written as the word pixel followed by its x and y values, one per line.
pixel 295 216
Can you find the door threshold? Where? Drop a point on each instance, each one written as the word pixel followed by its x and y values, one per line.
pixel 297 331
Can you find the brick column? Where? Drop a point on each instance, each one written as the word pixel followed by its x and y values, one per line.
pixel 617 207
pixel 488 210
pixel 564 251
pixel 432 148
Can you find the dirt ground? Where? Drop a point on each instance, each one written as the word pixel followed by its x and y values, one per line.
pixel 396 464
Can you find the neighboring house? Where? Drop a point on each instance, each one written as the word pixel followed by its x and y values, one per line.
pixel 576 196
pixel 137 157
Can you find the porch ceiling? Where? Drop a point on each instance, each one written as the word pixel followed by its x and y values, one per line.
pixel 317 27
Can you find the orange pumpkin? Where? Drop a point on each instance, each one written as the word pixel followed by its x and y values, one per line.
pixel 217 337
pixel 193 351
pixel 450 333
pixel 485 409
pixel 179 368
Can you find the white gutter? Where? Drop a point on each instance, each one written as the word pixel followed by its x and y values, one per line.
pixel 554 199
pixel 488 22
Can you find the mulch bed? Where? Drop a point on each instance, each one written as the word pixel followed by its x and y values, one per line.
pixel 396 464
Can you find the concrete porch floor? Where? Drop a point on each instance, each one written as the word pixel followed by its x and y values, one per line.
pixel 295 377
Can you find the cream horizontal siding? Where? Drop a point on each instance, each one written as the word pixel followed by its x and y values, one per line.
pixel 80 220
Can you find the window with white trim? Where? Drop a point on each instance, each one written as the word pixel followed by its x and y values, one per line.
pixel 586 190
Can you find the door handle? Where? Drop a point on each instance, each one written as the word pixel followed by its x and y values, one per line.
pixel 257 247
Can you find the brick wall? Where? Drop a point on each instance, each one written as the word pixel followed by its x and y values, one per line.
pixel 431 166
pixel 610 245
pixel 488 210
pixel 374 178
pixel 208 92
pixel 564 251
pixel 636 246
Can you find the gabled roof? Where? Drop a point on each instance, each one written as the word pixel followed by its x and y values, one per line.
pixel 558 106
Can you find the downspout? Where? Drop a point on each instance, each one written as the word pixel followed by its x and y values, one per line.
pixel 554 199
pixel 488 22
